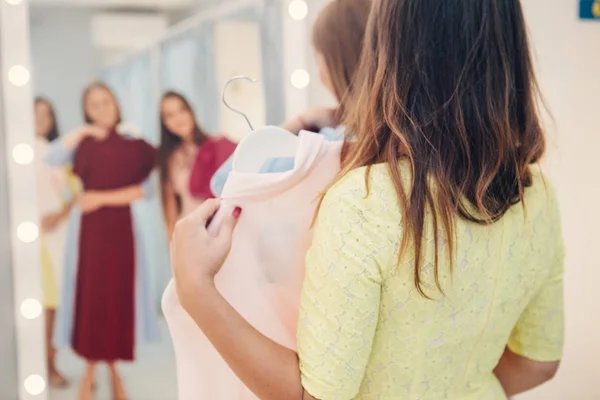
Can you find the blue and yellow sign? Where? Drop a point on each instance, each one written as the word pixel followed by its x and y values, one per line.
pixel 589 9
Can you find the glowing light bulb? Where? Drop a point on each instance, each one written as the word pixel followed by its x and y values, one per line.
pixel 300 78
pixel 14 2
pixel 31 309
pixel 18 75
pixel 34 384
pixel 27 232
pixel 298 10
pixel 23 154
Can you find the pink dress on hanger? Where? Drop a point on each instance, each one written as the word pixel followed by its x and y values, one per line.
pixel 262 276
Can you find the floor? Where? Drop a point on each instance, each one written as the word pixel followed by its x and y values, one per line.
pixel 151 377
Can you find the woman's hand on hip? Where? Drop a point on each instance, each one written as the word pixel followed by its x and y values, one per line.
pixel 196 255
pixel 50 222
pixel 90 201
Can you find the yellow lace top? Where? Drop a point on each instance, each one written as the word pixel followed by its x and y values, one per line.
pixel 366 333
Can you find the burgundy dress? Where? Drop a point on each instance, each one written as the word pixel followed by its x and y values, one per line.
pixel 209 158
pixel 104 325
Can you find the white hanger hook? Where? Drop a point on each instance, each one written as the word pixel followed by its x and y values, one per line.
pixel 235 78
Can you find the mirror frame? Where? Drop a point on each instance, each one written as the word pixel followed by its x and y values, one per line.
pixel 22 231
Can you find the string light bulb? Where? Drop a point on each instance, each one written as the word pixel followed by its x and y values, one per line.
pixel 27 232
pixel 300 78
pixel 31 309
pixel 23 154
pixel 34 385
pixel 18 75
pixel 298 9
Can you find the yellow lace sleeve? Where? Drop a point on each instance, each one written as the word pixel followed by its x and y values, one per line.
pixel 539 332
pixel 341 294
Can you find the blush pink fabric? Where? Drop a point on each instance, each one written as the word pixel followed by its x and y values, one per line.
pixel 262 276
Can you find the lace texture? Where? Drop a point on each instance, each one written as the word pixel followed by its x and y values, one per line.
pixel 366 333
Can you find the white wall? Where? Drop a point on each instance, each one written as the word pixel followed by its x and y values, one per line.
pixel 237 52
pixel 318 96
pixel 64 60
pixel 9 379
pixel 568 58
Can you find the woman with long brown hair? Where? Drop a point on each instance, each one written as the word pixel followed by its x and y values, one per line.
pixel 436 267
pixel 106 305
pixel 337 39
pixel 181 140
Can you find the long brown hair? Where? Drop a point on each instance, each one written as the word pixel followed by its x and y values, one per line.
pixel 53 133
pixel 449 87
pixel 169 142
pixel 338 35
pixel 86 92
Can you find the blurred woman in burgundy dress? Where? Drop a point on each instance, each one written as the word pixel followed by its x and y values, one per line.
pixel 109 262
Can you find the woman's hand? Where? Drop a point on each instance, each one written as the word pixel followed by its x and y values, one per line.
pixel 51 221
pixel 90 201
pixel 315 119
pixel 196 255
pixel 74 139
pixel 94 132
pixel 319 118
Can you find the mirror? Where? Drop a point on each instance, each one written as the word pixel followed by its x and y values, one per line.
pixel 104 269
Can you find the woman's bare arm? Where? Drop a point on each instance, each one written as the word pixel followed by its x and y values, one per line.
pixel 120 197
pixel 518 374
pixel 170 208
pixel 93 200
pixel 74 139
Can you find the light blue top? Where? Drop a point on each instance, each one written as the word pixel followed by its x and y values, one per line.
pixel 270 166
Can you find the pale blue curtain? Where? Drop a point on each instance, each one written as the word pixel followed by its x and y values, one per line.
pixel 143 113
pixel 142 107
pixel 209 100
pixel 271 34
pixel 116 78
pixel 188 67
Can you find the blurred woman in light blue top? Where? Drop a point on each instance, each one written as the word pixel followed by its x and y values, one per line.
pixel 337 40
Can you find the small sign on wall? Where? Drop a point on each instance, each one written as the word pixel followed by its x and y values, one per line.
pixel 589 9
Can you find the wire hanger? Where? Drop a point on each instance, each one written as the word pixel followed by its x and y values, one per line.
pixel 235 78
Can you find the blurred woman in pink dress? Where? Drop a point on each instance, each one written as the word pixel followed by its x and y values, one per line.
pixel 184 146
pixel 55 198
